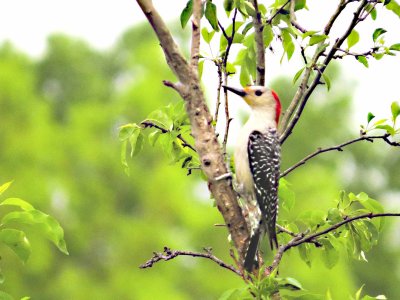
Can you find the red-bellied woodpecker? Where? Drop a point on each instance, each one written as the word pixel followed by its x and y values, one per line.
pixel 257 162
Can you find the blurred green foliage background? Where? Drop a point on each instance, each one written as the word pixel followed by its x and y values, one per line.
pixel 59 122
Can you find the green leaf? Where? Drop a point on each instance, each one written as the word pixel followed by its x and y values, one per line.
pixel 186 13
pixel 5 186
pixel 230 68
pixel 308 33
pixel 363 60
pixel 373 13
pixel 378 56
pixel 379 122
pixel 377 33
pixel 262 9
pixel 394 7
pixel 45 224
pixel 228 5
pixel 134 141
pixel 369 203
pixel 268 35
pixel 289 283
pixel 241 57
pixel 251 11
pixel 22 204
pixel 389 129
pixel 286 195
pixel 395 47
pixel 123 155
pixel 287 43
pixel 300 4
pixel 16 240
pixel 126 131
pixel 234 294
pixel 153 137
pixel 327 81
pixel 315 39
pixel 223 43
pixel 334 215
pixel 241 7
pixel 352 39
pixel 136 144
pixel 330 256
pixel 373 231
pixel 395 107
pixel 160 118
pixel 304 251
pixel 248 27
pixel 358 293
pixel 298 74
pixel 211 15
pixel 370 117
pixel 201 66
pixel 207 36
pixel 244 75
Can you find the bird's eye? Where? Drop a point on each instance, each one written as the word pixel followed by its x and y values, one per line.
pixel 258 93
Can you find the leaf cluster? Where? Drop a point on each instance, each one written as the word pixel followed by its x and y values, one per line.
pixel 169 131
pixel 388 125
pixel 16 239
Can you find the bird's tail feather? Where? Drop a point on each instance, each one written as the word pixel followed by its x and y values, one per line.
pixel 273 240
pixel 250 260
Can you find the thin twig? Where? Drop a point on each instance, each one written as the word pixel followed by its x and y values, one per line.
pixel 356 55
pixel 150 124
pixel 225 79
pixel 218 102
pixel 302 94
pixel 339 148
pixel 310 237
pixel 281 229
pixel 306 76
pixel 302 238
pixel 278 11
pixel 342 5
pixel 169 254
pixel 293 19
pixel 228 38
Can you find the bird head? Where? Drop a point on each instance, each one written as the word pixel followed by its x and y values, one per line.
pixel 258 97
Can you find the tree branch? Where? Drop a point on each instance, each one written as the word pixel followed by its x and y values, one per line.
pixel 169 254
pixel 293 19
pixel 339 148
pixel 206 143
pixel 260 48
pixel 150 124
pixel 278 11
pixel 302 238
pixel 195 48
pixel 225 77
pixel 304 92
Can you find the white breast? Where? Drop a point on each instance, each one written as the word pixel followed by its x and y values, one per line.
pixel 260 121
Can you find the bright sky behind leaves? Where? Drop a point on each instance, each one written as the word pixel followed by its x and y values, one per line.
pixel 27 24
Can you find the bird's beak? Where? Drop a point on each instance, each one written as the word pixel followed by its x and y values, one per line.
pixel 239 92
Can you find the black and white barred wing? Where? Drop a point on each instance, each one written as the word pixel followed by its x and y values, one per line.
pixel 264 158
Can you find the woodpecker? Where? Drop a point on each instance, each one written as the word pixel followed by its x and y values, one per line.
pixel 257 163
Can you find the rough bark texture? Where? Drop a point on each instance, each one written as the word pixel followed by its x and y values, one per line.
pixel 206 143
